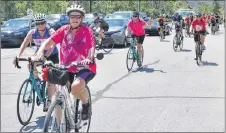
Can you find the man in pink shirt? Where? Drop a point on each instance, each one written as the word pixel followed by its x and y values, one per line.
pixel 136 26
pixel 77 44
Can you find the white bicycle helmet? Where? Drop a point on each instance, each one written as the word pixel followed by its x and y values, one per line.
pixel 39 18
pixel 77 8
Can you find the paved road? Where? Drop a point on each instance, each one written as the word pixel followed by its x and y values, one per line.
pixel 171 93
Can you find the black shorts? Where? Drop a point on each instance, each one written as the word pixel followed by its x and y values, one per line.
pixel 85 74
pixel 140 39
pixel 54 58
pixel 196 37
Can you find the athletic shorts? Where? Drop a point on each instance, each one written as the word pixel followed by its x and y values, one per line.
pixel 84 74
pixel 140 39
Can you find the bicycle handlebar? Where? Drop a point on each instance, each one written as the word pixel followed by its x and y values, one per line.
pixel 44 62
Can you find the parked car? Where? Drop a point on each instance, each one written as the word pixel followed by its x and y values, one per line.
pixel 124 14
pixel 154 28
pixel 117 29
pixel 57 20
pixel 14 31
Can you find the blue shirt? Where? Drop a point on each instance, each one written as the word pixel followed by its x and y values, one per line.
pixel 38 40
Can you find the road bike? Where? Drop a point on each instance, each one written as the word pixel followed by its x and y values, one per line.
pixel 68 107
pixel 178 39
pixel 26 95
pixel 133 55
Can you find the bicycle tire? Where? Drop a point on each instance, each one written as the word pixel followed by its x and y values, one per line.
pixel 174 43
pixel 198 54
pixel 130 52
pixel 18 105
pixel 77 104
pixel 181 44
pixel 48 116
pixel 107 49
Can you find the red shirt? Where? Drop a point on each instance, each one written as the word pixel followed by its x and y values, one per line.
pixel 187 20
pixel 201 23
pixel 137 27
pixel 77 48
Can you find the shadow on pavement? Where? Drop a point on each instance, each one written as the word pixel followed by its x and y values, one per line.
pixel 166 41
pixel 31 126
pixel 186 50
pixel 100 93
pixel 145 68
pixel 206 63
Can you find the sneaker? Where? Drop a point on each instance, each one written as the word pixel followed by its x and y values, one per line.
pixel 86 111
pixel 46 105
pixel 139 63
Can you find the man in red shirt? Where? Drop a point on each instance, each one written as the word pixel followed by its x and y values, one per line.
pixel 136 26
pixel 188 23
pixel 199 25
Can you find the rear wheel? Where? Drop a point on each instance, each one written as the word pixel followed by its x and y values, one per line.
pixel 107 47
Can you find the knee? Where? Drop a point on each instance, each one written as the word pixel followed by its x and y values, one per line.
pixel 78 84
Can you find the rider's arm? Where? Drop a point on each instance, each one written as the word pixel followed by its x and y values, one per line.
pixel 26 41
pixel 91 42
pixel 52 31
pixel 128 29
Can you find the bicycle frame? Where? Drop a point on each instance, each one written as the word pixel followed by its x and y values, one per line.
pixel 33 83
pixel 135 54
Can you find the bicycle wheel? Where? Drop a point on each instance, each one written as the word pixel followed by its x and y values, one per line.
pixel 142 59
pixel 28 99
pixel 107 47
pixel 198 54
pixel 181 44
pixel 130 57
pixel 175 43
pixel 50 122
pixel 82 125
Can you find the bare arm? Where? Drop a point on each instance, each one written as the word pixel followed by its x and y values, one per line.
pixel 46 44
pixel 52 47
pixel 25 43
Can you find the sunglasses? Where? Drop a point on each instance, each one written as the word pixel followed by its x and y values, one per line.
pixel 42 23
pixel 75 16
pixel 135 16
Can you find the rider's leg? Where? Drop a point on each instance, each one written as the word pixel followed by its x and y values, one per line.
pixel 202 40
pixel 78 90
pixel 140 47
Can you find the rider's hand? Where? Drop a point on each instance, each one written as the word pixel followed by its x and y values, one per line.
pixel 38 55
pixel 85 61
pixel 14 61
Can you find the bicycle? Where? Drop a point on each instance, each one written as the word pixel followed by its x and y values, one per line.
pixel 107 43
pixel 28 96
pixel 177 40
pixel 70 107
pixel 198 49
pixel 133 54
pixel 186 31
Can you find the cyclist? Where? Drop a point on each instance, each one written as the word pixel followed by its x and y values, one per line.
pixel 178 25
pixel 99 23
pixel 217 16
pixel 187 23
pixel 213 20
pixel 199 25
pixel 39 35
pixel 136 26
pixel 162 21
pixel 77 44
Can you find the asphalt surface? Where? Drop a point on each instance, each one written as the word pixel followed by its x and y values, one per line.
pixel 170 93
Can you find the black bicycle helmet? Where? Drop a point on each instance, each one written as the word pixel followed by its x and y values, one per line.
pixel 198 14
pixel 95 14
pixel 136 13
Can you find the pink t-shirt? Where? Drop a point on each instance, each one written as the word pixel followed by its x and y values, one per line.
pixel 137 27
pixel 75 48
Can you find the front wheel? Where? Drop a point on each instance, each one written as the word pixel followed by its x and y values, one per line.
pixel 198 54
pixel 26 98
pixel 130 59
